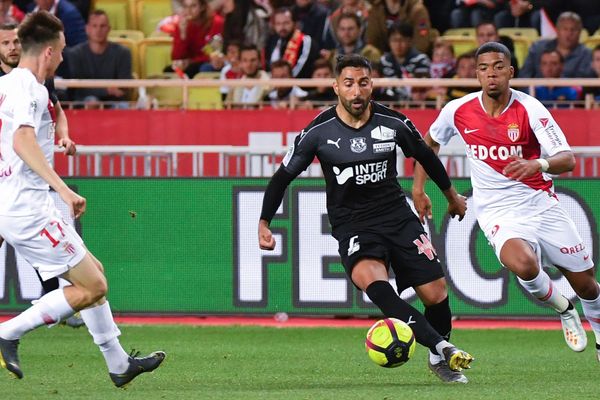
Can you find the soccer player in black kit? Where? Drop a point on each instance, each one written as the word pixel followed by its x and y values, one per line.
pixel 370 218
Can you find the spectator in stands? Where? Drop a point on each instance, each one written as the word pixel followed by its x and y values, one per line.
pixel 439 10
pixel 99 59
pixel 384 94
pixel 9 13
pixel 465 68
pixel 518 13
pixel 486 32
pixel 284 97
pixel 349 40
pixel 577 57
pixel 403 60
pixel 247 21
pixel 443 61
pixel 384 13
pixel 197 36
pixel 70 16
pixel 290 44
pixel 232 69
pixel 322 95
pixel 311 19
pixel 551 66
pixel 595 90
pixel 471 12
pixel 358 7
pixel 250 66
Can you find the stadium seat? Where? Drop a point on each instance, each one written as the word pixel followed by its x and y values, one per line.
pixel 530 33
pixel 522 45
pixel 168 97
pixel 135 57
pixel 461 44
pixel 150 12
pixel 120 13
pixel 468 32
pixel 205 98
pixel 155 55
pixel 592 41
pixel 130 34
pixel 584 35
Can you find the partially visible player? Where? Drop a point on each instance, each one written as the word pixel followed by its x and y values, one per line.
pixel 513 144
pixel 29 219
pixel 370 218
pixel 10 54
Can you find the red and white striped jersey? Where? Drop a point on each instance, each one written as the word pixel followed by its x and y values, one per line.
pixel 526 129
pixel 23 102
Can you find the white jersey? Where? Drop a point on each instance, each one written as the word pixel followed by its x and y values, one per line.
pixel 525 128
pixel 23 102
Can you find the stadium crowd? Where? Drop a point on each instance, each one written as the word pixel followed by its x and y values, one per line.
pixel 262 39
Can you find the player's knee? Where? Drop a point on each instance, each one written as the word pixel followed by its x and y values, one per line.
pixel 99 266
pixel 524 264
pixel 97 290
pixel 588 291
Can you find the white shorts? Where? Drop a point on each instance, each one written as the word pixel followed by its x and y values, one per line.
pixel 45 240
pixel 552 235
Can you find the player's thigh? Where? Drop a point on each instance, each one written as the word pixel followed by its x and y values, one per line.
pixel 516 247
pixel 366 251
pixel 414 260
pixel 86 275
pixel 45 240
pixel 584 283
pixel 561 243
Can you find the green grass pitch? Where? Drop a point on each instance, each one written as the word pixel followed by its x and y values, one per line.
pixel 299 363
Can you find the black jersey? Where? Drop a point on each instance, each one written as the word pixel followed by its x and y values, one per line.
pixel 359 165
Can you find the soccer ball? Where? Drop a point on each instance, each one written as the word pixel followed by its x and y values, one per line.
pixel 390 343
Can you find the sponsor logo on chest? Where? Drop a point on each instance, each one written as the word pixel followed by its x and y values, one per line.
pixel 383 133
pixel 362 173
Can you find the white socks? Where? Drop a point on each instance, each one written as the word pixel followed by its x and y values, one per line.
pixel 49 309
pixel 541 287
pixel 103 329
pixel 591 310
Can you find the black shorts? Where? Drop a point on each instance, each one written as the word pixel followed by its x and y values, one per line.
pixel 404 246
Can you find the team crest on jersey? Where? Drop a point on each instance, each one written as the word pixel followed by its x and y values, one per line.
pixel 358 144
pixel 513 132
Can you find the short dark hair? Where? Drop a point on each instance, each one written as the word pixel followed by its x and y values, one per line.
pixel 8 26
pixel 486 22
pixel 248 47
pixel 493 47
pixel 38 29
pixel 553 50
pixel 352 16
pixel 284 10
pixel 281 64
pixel 322 63
pixel 403 28
pixel 98 11
pixel 351 60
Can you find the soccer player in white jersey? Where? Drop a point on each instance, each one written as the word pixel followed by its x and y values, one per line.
pixel 513 144
pixel 29 220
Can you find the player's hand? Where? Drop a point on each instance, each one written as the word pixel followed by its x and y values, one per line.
pixel 519 168
pixel 458 207
pixel 76 203
pixel 422 205
pixel 68 145
pixel 266 241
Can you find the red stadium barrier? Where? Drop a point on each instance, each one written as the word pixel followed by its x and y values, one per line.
pixel 231 127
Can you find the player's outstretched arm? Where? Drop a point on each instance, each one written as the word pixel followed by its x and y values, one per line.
pixel 28 149
pixel 271 201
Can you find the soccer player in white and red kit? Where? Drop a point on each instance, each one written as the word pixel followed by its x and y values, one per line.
pixel 29 219
pixel 513 144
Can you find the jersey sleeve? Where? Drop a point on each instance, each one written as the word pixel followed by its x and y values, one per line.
pixel 301 153
pixel 25 107
pixel 443 127
pixel 408 138
pixel 551 138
